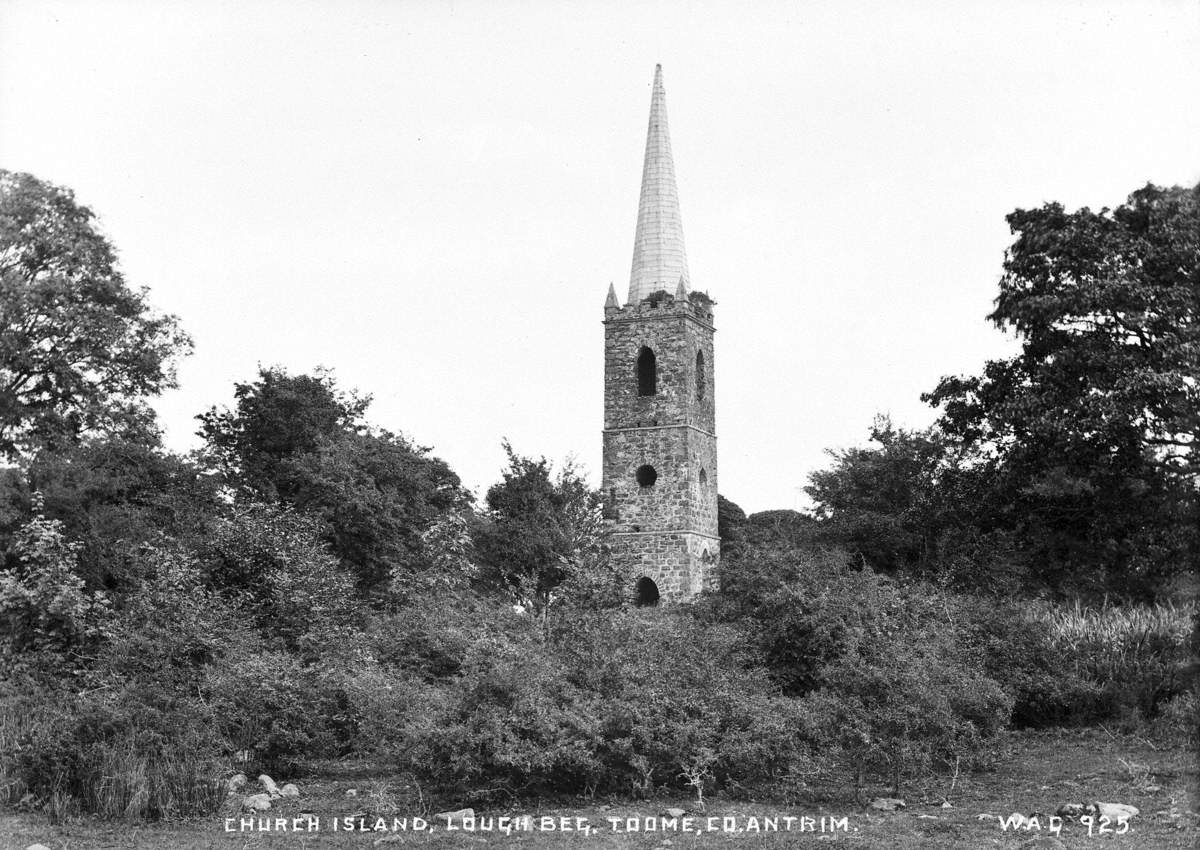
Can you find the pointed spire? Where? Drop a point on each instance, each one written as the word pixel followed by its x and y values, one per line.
pixel 658 253
pixel 611 301
pixel 681 290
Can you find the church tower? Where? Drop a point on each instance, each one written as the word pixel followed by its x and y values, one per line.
pixel 660 443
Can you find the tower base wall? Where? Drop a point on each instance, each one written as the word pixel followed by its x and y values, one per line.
pixel 680 563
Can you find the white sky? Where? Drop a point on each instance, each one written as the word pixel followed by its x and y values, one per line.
pixel 431 198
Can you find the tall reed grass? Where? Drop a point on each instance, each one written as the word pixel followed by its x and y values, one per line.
pixel 1135 655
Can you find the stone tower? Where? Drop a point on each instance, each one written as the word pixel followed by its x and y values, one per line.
pixel 660 443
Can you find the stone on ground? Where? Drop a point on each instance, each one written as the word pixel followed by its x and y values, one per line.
pixel 268 785
pixel 257 802
pixel 456 815
pixel 887 804
pixel 289 790
pixel 1116 811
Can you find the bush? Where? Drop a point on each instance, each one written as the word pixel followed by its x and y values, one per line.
pixel 100 754
pixel 269 704
pixel 680 703
pixel 878 667
pixel 613 701
pixel 129 735
pixel 1018 651
pixel 1178 720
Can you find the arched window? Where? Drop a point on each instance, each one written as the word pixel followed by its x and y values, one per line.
pixel 645 593
pixel 701 377
pixel 646 475
pixel 647 372
pixel 703 478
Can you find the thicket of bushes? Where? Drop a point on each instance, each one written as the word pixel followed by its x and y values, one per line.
pixel 803 669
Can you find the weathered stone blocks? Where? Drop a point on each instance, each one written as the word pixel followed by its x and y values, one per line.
pixel 666 531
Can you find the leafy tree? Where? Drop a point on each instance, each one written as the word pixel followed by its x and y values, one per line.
pixel 113 495
pixel 43 602
pixel 300 440
pixel 914 503
pixel 276 418
pixel 536 525
pixel 271 560
pixel 79 349
pixel 1090 432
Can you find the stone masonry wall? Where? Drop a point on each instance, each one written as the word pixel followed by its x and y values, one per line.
pixel 675 331
pixel 666 531
pixel 681 565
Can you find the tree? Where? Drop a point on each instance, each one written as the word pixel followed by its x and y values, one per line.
pixel 299 440
pixel 536 525
pixel 114 495
pixel 79 349
pixel 275 418
pixel 877 502
pixel 1091 430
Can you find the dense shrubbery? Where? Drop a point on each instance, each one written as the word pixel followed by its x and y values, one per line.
pixel 616 700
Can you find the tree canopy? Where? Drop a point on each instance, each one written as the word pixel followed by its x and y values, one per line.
pixel 300 440
pixel 1091 430
pixel 79 348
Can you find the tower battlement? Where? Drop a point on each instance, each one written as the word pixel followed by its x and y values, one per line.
pixel 694 305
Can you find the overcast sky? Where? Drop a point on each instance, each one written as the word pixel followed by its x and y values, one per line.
pixel 431 198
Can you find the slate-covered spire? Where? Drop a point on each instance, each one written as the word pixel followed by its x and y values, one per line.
pixel 659 258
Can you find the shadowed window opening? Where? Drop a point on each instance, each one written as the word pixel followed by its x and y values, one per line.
pixel 701 377
pixel 647 372
pixel 645 593
pixel 703 478
pixel 646 475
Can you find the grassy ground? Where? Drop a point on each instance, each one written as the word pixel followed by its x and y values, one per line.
pixel 1042 771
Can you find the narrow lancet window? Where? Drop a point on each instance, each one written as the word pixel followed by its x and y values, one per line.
pixel 701 377
pixel 647 372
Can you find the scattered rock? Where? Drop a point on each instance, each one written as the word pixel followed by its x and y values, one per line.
pixel 1043 842
pixel 1152 789
pixel 928 817
pixel 351 792
pixel 268 785
pixel 456 815
pixel 289 790
pixel 1115 811
pixel 986 816
pixel 1071 810
pixel 947 805
pixel 257 802
pixel 674 812
pixel 27 802
pixel 887 804
pixel 236 782
pixel 37 847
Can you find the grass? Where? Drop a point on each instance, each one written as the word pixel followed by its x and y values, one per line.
pixel 1041 771
pixel 1136 654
